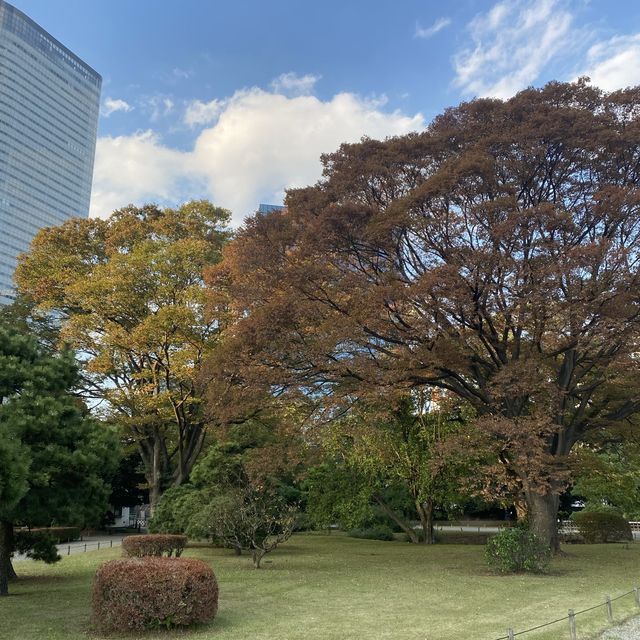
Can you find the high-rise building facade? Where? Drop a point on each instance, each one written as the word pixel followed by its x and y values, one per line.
pixel 49 102
pixel 264 209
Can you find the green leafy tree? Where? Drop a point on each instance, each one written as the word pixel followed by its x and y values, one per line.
pixel 54 460
pixel 337 493
pixel 406 448
pixel 23 316
pixel 248 518
pixel 232 501
pixel 608 475
pixel 129 295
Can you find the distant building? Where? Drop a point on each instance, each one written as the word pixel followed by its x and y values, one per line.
pixel 263 209
pixel 49 103
pixel 134 517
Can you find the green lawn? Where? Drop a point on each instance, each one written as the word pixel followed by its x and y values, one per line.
pixel 335 587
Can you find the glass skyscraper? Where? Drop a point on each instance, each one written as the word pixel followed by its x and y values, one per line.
pixel 49 102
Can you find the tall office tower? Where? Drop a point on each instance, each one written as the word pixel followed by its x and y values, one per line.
pixel 49 102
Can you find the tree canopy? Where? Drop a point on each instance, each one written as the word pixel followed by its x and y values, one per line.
pixel 129 294
pixel 241 492
pixel 380 453
pixel 56 461
pixel 494 256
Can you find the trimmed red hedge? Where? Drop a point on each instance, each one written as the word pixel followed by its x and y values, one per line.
pixel 154 545
pixel 142 593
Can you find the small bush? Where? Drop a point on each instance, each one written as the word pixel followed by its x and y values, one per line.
pixel 156 544
pixel 146 593
pixel 602 526
pixel 517 549
pixel 379 532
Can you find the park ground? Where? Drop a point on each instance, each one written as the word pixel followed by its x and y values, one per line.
pixel 334 587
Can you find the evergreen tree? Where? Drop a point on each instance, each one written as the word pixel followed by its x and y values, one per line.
pixel 54 459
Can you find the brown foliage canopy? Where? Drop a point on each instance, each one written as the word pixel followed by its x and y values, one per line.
pixel 494 255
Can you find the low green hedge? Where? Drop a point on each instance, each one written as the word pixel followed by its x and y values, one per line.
pixel 57 534
pixel 602 526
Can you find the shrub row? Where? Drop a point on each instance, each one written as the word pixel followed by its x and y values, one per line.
pixel 57 534
pixel 157 544
pixel 147 593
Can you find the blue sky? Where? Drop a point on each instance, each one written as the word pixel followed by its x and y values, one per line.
pixel 235 101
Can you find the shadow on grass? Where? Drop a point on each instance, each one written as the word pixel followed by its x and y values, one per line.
pixel 36 581
pixel 217 625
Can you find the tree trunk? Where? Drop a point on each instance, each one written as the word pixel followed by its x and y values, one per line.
pixel 6 548
pixel 521 509
pixel 154 475
pixel 257 555
pixel 401 522
pixel 425 511
pixel 543 517
pixel 10 570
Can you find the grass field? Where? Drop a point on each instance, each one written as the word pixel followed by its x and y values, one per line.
pixel 333 587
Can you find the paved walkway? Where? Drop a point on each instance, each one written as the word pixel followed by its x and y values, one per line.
pixel 92 543
pixel 466 528
pixel 630 630
pixel 490 529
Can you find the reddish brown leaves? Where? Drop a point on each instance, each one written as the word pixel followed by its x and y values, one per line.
pixel 143 593
pixel 494 255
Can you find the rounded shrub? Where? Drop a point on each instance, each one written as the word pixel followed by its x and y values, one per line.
pixel 602 526
pixel 516 549
pixel 146 593
pixel 157 544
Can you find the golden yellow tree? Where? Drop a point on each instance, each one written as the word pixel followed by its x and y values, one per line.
pixel 129 294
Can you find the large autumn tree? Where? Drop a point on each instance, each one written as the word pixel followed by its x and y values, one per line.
pixel 494 255
pixel 129 295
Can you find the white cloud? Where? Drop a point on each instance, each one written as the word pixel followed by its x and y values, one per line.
pixel 111 105
pixel 615 63
pixel 293 84
pixel 261 144
pixel 139 169
pixel 181 74
pixel 157 106
pixel 198 112
pixel 265 142
pixel 512 44
pixel 427 32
